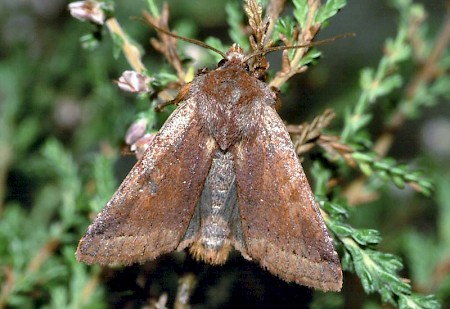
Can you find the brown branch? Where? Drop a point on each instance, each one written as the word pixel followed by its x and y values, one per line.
pixel 262 28
pixel 415 40
pixel 304 136
pixel 307 135
pixel 131 52
pixel 273 11
pixel 7 286
pixel 305 37
pixel 43 254
pixel 253 10
pixel 166 45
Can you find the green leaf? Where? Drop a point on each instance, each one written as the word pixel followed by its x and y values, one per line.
pixel 386 86
pixel 336 210
pixel 153 8
pixel 216 43
pixel 117 45
pixel 366 169
pixel 285 26
pixel 366 78
pixel 312 55
pixel 363 157
pixel 301 11
pixel 398 50
pixel 416 301
pixel 341 229
pixel 387 168
pixel 328 10
pixel 366 236
pixel 398 181
pixel 162 78
pixel 89 42
pixel 377 271
pixel 104 180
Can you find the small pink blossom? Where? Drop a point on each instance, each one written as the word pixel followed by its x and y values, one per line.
pixel 87 11
pixel 136 131
pixel 132 81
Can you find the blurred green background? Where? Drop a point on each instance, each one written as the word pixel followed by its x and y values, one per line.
pixel 63 120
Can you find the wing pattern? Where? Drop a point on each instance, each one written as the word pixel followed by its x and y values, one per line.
pixel 281 222
pixel 150 212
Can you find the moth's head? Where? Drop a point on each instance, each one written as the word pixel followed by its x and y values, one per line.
pixel 234 57
pixel 235 53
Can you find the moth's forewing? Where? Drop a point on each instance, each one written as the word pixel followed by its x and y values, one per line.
pixel 150 212
pixel 282 226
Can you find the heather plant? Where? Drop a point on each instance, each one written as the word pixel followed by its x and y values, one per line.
pixel 80 101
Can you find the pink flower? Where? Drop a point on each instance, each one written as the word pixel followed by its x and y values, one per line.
pixel 136 131
pixel 87 11
pixel 132 81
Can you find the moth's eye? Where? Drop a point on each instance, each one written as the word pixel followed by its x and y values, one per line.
pixel 246 67
pixel 221 63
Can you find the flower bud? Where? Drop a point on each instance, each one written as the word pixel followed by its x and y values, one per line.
pixel 132 81
pixel 87 11
pixel 136 131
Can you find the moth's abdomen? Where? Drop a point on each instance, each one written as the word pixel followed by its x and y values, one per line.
pixel 216 214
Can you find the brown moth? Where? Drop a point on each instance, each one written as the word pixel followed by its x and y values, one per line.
pixel 221 173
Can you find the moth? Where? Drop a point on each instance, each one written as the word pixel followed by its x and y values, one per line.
pixel 221 173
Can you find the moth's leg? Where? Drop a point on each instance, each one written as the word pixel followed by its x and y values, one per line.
pixel 182 96
pixel 278 104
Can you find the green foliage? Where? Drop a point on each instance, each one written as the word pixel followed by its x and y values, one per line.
pixel 389 169
pixel 378 271
pixel 301 12
pixel 328 10
pixel 33 238
pixel 323 14
pixel 235 19
pixel 57 172
pixel 216 43
pixel 104 181
pixel 153 8
pixel 377 83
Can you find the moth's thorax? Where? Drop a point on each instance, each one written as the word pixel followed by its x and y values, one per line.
pixel 230 102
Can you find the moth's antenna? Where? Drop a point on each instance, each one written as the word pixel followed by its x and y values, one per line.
pixel 275 48
pixel 196 42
